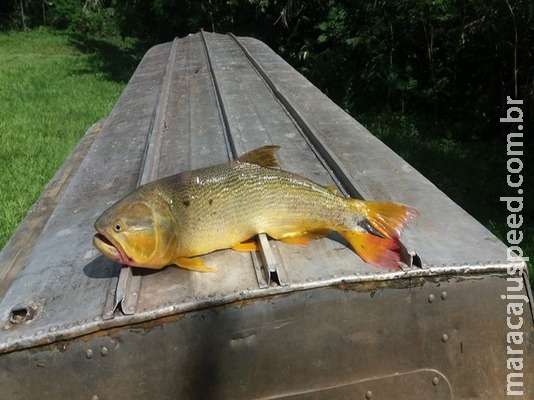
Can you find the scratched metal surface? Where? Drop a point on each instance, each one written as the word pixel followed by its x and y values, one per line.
pixel 198 101
pixel 416 339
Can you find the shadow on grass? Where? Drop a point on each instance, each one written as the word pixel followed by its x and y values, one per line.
pixel 115 59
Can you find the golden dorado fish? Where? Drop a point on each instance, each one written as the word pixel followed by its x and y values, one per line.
pixel 175 220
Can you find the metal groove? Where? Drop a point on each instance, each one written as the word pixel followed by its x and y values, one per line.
pixel 333 163
pixel 230 144
pixel 157 124
pixel 268 261
pixel 126 293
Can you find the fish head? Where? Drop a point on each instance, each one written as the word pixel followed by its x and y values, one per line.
pixel 136 231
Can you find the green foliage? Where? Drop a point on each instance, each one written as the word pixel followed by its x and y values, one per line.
pixel 63 13
pixel 447 59
pixel 160 20
pixel 82 16
pixel 442 58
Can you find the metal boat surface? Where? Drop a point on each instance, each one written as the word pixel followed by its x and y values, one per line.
pixel 286 322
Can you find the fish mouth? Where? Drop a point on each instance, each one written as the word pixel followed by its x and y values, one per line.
pixel 111 250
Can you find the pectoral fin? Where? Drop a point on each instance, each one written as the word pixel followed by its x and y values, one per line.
pixel 247 245
pixel 193 264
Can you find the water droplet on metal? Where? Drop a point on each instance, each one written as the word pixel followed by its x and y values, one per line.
pixel 444 338
pixel 369 395
pixel 89 354
pixel 444 295
pixel 103 351
pixel 435 381
pixel 431 298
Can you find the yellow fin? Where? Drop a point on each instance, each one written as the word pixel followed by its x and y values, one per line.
pixel 298 240
pixel 247 245
pixel 380 252
pixel 263 156
pixel 303 239
pixel 193 264
pixel 388 219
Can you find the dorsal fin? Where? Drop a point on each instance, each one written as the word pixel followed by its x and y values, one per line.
pixel 263 156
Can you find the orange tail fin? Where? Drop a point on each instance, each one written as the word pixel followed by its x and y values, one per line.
pixel 380 252
pixel 388 219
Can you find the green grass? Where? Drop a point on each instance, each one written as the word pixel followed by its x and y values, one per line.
pixel 471 172
pixel 53 87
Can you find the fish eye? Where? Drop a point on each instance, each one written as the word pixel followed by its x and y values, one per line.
pixel 117 227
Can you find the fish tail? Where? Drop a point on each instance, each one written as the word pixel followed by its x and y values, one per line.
pixel 376 238
pixel 384 218
pixel 380 252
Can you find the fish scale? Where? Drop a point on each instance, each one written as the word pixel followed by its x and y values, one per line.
pixel 176 219
pixel 242 201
